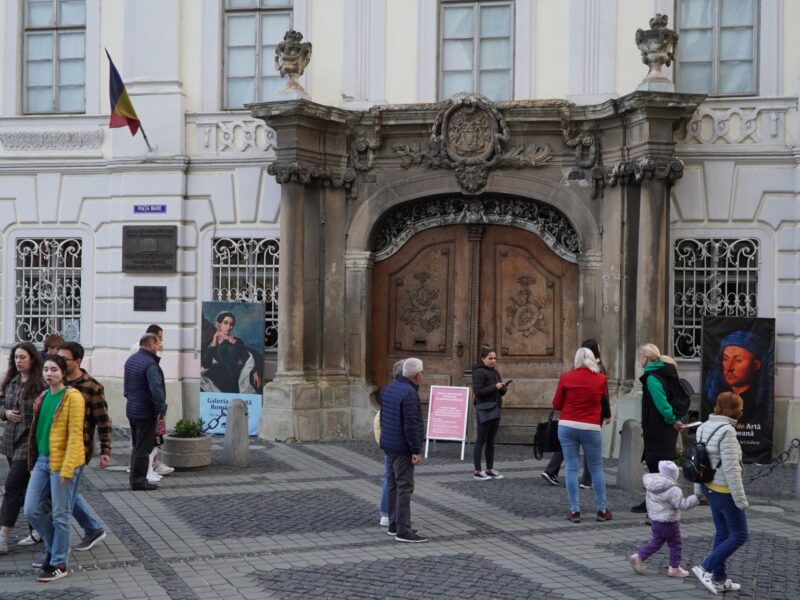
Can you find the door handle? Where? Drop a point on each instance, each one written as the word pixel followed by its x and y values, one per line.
pixel 460 349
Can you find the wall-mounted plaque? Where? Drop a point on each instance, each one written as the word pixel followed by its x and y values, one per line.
pixel 149 248
pixel 150 298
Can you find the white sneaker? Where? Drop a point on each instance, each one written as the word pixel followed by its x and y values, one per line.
pixel 384 521
pixel 727 586
pixel 33 538
pixel 153 477
pixel 163 469
pixel 494 474
pixel 481 476
pixel 705 578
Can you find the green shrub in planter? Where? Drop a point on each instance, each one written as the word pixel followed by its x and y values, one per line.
pixel 189 428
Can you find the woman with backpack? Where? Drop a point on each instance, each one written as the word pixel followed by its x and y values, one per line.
pixel 660 424
pixel 725 492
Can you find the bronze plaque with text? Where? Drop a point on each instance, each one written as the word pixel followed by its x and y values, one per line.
pixel 149 248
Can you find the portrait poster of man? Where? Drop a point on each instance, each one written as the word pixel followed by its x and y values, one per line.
pixel 738 356
pixel 231 360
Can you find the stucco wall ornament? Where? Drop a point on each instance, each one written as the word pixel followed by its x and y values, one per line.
pixel 525 312
pixel 297 172
pixel 404 221
pixel 292 56
pixel 362 149
pixel 420 310
pixel 58 140
pixel 469 136
pixel 584 143
pixel 637 170
pixel 658 46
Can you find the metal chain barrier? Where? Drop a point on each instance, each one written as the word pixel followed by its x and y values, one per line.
pixel 212 423
pixel 765 470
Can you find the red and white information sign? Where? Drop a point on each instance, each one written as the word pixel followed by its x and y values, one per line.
pixel 447 415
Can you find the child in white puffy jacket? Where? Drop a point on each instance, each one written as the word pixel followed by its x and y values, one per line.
pixel 664 504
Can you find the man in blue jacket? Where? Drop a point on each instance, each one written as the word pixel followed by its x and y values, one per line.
pixel 145 392
pixel 401 440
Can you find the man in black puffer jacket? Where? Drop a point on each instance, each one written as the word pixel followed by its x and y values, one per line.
pixel 401 440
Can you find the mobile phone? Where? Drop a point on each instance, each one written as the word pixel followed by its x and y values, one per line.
pixel 508 382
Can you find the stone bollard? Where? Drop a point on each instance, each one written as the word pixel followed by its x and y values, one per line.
pixel 629 470
pixel 237 441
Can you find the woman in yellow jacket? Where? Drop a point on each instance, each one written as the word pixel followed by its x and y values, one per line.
pixel 56 458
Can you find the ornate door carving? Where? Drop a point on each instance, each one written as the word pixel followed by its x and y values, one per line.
pixel 450 290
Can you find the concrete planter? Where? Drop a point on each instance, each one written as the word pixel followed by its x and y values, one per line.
pixel 186 453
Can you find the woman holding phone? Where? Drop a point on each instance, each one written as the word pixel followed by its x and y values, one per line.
pixel 489 391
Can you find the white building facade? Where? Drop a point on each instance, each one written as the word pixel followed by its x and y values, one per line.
pixel 69 184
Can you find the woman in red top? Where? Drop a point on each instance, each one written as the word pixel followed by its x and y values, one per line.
pixel 582 398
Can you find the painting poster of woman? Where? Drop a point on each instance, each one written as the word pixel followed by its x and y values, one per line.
pixel 231 360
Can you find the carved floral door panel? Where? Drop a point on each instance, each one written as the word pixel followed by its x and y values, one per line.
pixel 449 290
pixel 419 296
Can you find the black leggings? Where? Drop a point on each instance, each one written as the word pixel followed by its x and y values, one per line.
pixel 486 434
pixel 16 484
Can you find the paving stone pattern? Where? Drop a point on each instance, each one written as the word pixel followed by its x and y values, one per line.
pixel 466 577
pixel 765 558
pixel 302 522
pixel 250 515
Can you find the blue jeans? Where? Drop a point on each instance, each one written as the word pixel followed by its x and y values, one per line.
pixel 55 532
pixel 84 518
pixel 731 525
pixel 592 444
pixel 387 472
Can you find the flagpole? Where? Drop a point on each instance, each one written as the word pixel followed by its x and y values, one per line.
pixel 146 141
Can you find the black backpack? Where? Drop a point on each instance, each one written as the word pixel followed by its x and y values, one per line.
pixel 679 394
pixel 696 462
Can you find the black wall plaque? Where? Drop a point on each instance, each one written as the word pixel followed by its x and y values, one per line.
pixel 149 298
pixel 149 248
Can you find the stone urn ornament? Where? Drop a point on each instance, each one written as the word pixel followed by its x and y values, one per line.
pixel 658 46
pixel 292 56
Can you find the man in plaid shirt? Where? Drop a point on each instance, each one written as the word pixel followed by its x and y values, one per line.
pixel 96 417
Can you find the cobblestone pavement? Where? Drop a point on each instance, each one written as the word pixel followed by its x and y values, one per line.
pixel 302 522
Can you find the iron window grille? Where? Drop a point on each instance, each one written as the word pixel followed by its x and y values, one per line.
pixel 48 288
pixel 712 277
pixel 246 270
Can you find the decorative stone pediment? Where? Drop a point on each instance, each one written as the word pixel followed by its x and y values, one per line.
pixel 470 136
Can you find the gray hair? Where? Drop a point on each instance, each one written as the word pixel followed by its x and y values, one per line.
pixel 585 358
pixel 397 369
pixel 411 367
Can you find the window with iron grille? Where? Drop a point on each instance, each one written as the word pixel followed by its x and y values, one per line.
pixel 712 277
pixel 476 49
pixel 55 56
pixel 48 288
pixel 253 29
pixel 246 270
pixel 718 47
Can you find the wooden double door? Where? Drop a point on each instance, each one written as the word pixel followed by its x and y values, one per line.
pixel 451 290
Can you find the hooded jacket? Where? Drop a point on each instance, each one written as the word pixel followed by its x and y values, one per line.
pixel 719 436
pixel 664 498
pixel 658 417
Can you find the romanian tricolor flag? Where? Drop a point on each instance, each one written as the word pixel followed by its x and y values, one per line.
pixel 122 111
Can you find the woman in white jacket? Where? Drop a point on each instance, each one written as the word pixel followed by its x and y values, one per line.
pixel 725 492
